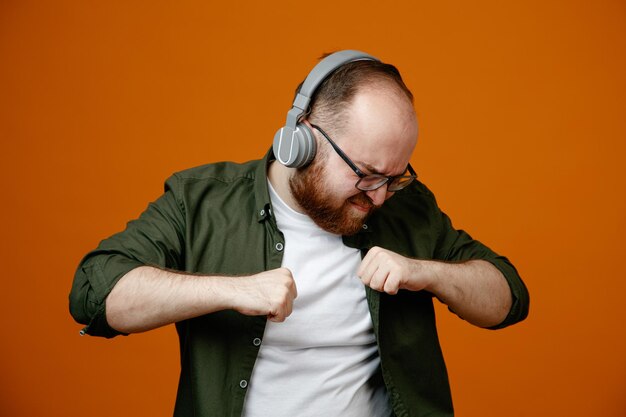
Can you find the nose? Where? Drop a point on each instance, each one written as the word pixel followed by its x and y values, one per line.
pixel 378 196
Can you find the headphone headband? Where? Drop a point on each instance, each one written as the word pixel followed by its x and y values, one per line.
pixel 317 75
pixel 294 145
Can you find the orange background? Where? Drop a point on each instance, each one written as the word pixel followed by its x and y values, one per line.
pixel 523 126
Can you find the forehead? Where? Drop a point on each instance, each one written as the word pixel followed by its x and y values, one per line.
pixel 381 130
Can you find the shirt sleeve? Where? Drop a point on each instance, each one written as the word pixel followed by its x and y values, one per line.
pixel 155 239
pixel 457 245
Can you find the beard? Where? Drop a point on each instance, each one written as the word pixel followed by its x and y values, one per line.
pixel 338 217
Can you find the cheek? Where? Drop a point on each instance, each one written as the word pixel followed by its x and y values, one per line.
pixel 345 189
pixel 339 193
pixel 338 182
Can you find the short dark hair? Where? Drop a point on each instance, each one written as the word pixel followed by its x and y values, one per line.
pixel 329 101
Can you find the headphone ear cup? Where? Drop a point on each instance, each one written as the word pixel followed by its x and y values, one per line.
pixel 309 145
pixel 294 148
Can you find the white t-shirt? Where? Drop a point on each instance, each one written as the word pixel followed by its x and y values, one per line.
pixel 318 362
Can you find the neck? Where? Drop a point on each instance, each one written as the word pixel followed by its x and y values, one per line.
pixel 279 175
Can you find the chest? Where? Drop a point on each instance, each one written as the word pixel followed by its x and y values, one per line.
pixel 331 307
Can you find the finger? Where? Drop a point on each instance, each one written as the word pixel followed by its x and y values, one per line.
pixel 360 272
pixel 392 284
pixel 368 273
pixel 378 269
pixel 367 260
pixel 293 290
pixel 379 278
pixel 288 309
pixel 276 319
pixel 273 315
pixel 370 268
pixel 291 283
pixel 278 315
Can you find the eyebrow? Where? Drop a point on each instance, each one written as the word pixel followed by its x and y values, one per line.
pixel 373 170
pixel 369 167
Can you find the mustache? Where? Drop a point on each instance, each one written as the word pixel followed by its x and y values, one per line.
pixel 363 200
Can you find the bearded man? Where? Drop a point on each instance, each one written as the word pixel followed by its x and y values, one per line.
pixel 301 284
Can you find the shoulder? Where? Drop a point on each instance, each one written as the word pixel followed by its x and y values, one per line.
pixel 222 181
pixel 219 171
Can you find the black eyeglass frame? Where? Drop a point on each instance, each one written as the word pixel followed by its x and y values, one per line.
pixel 387 179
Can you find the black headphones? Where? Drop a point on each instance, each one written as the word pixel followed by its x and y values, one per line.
pixel 294 144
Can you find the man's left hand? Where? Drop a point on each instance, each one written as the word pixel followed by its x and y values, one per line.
pixel 475 289
pixel 384 270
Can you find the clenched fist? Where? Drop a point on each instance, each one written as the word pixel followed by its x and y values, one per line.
pixel 269 293
pixel 384 270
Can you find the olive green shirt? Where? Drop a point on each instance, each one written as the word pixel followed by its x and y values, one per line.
pixel 217 219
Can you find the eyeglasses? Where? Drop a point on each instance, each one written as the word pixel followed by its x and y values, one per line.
pixel 373 181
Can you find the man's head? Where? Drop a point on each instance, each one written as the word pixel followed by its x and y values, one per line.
pixel 367 110
pixel 330 100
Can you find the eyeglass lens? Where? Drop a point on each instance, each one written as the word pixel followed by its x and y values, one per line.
pixel 372 182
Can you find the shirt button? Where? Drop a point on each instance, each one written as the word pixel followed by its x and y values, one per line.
pixel 256 341
pixel 262 212
pixel 279 246
pixel 243 383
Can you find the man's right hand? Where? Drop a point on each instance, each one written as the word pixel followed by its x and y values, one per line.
pixel 147 297
pixel 269 293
